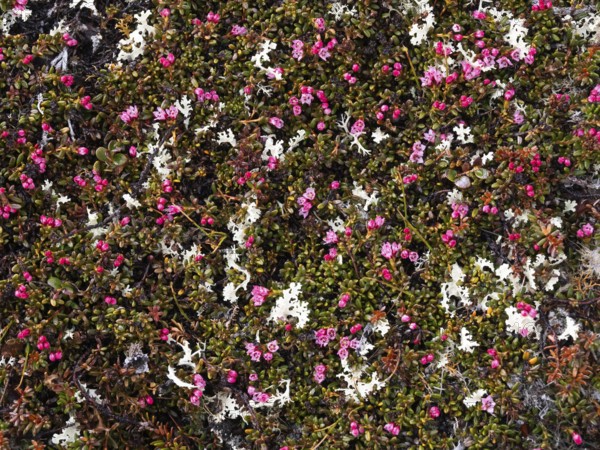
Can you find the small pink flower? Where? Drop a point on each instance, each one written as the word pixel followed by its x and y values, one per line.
pixel 23 334
pixel 276 122
pixel 55 356
pixel 110 300
pixel 357 127
pixel 434 412
pixel 320 24
pixel 392 428
pixel 356 429
pixel 259 294
pixel 488 404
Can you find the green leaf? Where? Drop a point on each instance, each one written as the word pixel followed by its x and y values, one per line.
pixel 119 159
pixel 55 283
pixel 101 154
pixel 482 174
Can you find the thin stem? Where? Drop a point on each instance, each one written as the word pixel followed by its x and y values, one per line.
pixel 412 68
pixel 178 305
pixel 24 367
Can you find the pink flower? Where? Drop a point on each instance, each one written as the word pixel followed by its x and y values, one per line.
pixel 259 294
pixel 356 429
pixel 488 404
pixel 357 127
pixel 131 113
pixel 309 194
pixel 55 356
pixel 276 122
pixel 164 334
pixel 67 80
pixel 465 101
pixel 195 397
pixel 319 374
pixel 392 428
pixel 342 353
pixel 324 53
pixel 168 61
pixel 344 299
pixel 331 237
pixel 577 438
pixel 160 114
pixel 320 24
pixel 238 30
pixel 434 412
pixel 23 334
pixel 213 17
pixel 172 112
pixel 110 300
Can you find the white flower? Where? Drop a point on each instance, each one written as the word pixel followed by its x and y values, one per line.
pixel 382 326
pixel 47 185
pixel 467 344
pixel 338 10
pixel 226 137
pixel 474 398
pixel 463 134
pixel 454 196
pixel 131 202
pixel 69 434
pixel 556 221
pixel 362 194
pixel 136 41
pixel 288 305
pixel 272 148
pixel 571 330
pixel 418 31
pixel 379 136
pixel 358 389
pixel 185 107
pixel 62 199
pixel 570 206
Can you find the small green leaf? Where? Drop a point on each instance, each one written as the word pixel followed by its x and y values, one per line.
pixel 101 154
pixel 482 174
pixel 55 283
pixel 119 159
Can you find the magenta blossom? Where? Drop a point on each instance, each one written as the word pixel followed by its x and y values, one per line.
pixel 276 122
